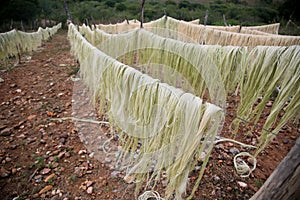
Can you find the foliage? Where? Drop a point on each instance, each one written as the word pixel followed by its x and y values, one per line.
pixel 236 11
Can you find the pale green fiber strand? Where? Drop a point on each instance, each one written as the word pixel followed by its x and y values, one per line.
pixel 168 122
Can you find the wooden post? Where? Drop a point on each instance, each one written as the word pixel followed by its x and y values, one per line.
pixel 142 13
pixel 67 11
pixel 126 20
pixel 22 27
pixel 206 17
pixel 284 182
pixel 224 18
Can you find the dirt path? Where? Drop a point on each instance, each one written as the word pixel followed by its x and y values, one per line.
pixel 33 148
pixel 44 159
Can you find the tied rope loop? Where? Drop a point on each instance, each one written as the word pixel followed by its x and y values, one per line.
pixel 241 166
pixel 150 194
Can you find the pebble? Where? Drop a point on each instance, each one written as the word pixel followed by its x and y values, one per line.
pixel 7 159
pixel 6 132
pixel 61 154
pixel 115 174
pixel 107 160
pixel 14 170
pixel 67 154
pixel 45 171
pixel 13 85
pixel 49 177
pixel 4 173
pixel 230 144
pixel 242 184
pixel 229 188
pixel 45 189
pixel 38 178
pixel 1 80
pixel 269 104
pixel 216 178
pixel 62 140
pixel 3 126
pixel 89 190
pixel 234 150
pixel 81 152
pixel 89 183
pixel 128 179
pixel 30 117
pixel 91 155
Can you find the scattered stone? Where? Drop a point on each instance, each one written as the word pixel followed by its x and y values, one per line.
pixel 216 178
pixel 14 170
pixel 89 183
pixel 64 135
pixel 18 90
pixel 13 85
pixel 7 159
pixel 30 117
pixel 128 179
pixel 251 160
pixel 49 177
pixel 67 154
pixel 62 65
pixel 107 160
pixel 45 189
pixel 6 132
pixel 38 178
pixel 3 126
pixel 45 171
pixel 62 140
pixel 89 190
pixel 229 188
pixel 1 80
pixel 80 152
pixel 55 164
pixel 4 173
pixel 60 94
pixel 230 144
pixel 115 174
pixel 234 150
pixel 91 155
pixel 50 114
pixel 269 104
pixel 242 184
pixel 61 154
pixel 13 147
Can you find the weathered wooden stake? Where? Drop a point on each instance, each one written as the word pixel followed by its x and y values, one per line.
pixel 224 18
pixel 206 17
pixel 284 182
pixel 67 11
pixel 142 13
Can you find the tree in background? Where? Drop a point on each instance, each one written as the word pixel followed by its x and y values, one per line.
pixel 19 10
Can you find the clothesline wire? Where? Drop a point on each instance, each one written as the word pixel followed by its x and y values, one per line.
pixel 256 125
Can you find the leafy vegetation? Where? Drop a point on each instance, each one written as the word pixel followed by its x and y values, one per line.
pixel 243 12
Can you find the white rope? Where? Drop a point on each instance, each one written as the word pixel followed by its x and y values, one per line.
pixel 221 139
pixel 79 120
pixel 150 195
pixel 241 166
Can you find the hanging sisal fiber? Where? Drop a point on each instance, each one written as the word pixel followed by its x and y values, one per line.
pixel 167 122
pixel 16 42
pixel 255 72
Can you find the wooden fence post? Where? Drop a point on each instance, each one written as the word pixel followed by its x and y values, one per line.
pixel 142 13
pixel 284 182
